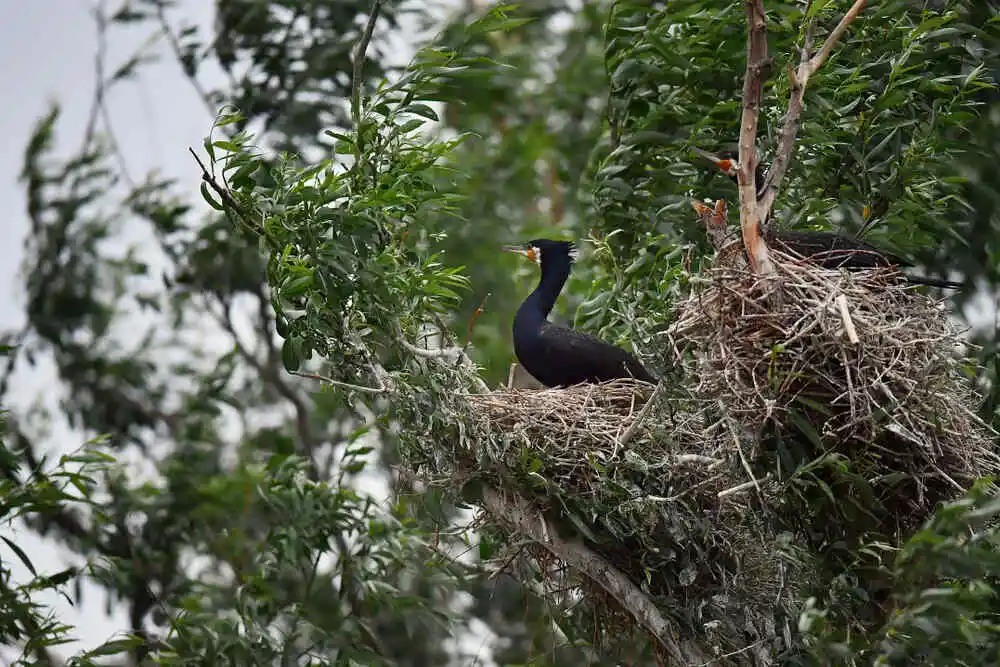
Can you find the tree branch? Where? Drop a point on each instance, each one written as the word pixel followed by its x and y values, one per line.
pixel 270 374
pixel 528 521
pixel 358 58
pixel 338 383
pixel 753 85
pixel 808 65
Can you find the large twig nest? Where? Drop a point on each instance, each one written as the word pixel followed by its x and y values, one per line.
pixel 858 364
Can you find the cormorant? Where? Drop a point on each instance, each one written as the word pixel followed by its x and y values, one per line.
pixel 827 249
pixel 558 356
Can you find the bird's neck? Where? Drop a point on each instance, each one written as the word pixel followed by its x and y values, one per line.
pixel 540 303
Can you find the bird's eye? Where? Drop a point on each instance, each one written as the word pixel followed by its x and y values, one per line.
pixel 532 254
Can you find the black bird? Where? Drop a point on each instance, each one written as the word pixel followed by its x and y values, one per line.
pixel 828 249
pixel 557 356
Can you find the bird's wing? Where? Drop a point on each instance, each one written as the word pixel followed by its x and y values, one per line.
pixel 588 355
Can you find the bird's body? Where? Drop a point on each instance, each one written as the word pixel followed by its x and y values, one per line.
pixel 828 249
pixel 558 356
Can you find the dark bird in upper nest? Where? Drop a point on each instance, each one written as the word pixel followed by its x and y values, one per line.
pixel 558 356
pixel 827 249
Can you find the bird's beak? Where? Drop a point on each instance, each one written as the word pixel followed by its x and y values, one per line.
pixel 521 250
pixel 725 165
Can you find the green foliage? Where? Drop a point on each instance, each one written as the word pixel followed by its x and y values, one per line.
pixel 947 600
pixel 363 228
pixel 38 496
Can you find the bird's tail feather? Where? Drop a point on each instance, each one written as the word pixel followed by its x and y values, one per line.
pixel 934 282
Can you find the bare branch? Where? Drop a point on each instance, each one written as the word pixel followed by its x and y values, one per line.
pixel 472 321
pixel 831 40
pixel 530 523
pixel 358 58
pixel 338 383
pixel 808 65
pixel 753 84
pixel 440 353
pixel 639 419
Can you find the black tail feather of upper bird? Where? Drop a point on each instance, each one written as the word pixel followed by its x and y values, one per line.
pixel 934 282
pixel 558 356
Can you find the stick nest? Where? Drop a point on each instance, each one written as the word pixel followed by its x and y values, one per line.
pixel 781 436
pixel 852 364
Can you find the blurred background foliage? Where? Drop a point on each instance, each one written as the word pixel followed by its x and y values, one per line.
pixel 243 514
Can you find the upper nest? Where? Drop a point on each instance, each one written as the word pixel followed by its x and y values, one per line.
pixel 859 363
pixel 816 407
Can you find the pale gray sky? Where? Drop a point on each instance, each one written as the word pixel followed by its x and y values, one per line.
pixel 47 52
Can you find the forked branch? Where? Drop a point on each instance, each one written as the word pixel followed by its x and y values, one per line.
pixel 798 80
pixel 754 209
pixel 746 176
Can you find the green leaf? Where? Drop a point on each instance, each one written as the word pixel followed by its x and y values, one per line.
pixel 421 109
pixel 23 557
pixel 206 193
pixel 290 355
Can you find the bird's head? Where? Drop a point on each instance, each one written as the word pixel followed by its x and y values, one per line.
pixel 545 251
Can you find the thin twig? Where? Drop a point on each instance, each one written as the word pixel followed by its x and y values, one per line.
pixel 472 321
pixel 831 41
pixel 845 315
pixel 358 58
pixel 228 201
pixel 741 487
pixel 638 421
pixel 178 51
pixel 808 65
pixel 338 383
pixel 753 85
pixel 739 446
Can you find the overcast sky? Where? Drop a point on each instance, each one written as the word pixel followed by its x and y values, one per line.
pixel 47 52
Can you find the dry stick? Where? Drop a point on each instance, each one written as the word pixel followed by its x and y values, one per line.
pixel 638 421
pixel 741 487
pixel 753 84
pixel 739 448
pixel 530 523
pixel 798 81
pixel 845 315
pixel 472 321
pixel 338 383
